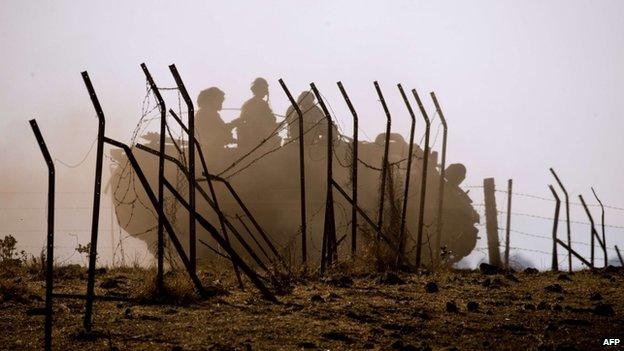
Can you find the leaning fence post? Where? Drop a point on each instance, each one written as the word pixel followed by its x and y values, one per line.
pixel 442 182
pixel 423 182
pixel 384 164
pixel 50 238
pixel 161 175
pixel 96 201
pixel 491 221
pixel 354 170
pixel 329 227
pixel 602 223
pixel 191 151
pixel 302 182
pixel 508 225
pixel 555 258
pixel 593 231
pixel 619 256
pixel 567 203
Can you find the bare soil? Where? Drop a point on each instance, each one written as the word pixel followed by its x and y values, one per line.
pixel 453 310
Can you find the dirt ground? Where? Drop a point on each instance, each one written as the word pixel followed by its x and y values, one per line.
pixel 454 310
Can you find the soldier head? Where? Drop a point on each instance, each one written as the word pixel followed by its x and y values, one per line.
pixel 260 87
pixel 306 99
pixel 455 174
pixel 211 98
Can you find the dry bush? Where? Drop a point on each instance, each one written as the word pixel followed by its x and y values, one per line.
pixel 177 289
pixel 14 289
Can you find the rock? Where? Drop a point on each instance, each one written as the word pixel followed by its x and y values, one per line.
pixel 36 311
pixel 317 298
pixel 431 287
pixel 337 335
pixel 390 278
pixel 307 345
pixel 603 310
pixel 489 269
pixel 515 328
pixel 564 277
pixel 556 288
pixel 472 306
pixel 451 307
pixel 511 277
pixel 530 270
pixel 595 296
pixel 342 281
pixel 109 283
pixel 543 305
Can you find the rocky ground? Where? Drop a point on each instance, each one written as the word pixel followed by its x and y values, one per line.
pixel 453 310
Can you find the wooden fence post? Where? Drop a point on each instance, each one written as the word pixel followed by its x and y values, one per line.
pixel 491 221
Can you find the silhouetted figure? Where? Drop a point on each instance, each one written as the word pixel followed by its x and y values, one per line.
pixel 314 121
pixel 256 121
pixel 210 130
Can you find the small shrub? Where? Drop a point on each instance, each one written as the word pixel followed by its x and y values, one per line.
pixel 14 290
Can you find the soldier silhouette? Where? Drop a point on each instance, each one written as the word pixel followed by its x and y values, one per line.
pixel 211 131
pixel 256 121
pixel 314 121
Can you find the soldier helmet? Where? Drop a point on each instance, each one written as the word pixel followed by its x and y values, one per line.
pixel 209 96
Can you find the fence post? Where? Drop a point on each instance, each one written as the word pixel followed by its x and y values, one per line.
pixel 302 190
pixel 410 152
pixel 354 170
pixel 602 224
pixel 567 203
pixel 329 227
pixel 384 164
pixel 442 182
pixel 619 256
pixel 50 237
pixel 593 231
pixel 96 202
pixel 161 174
pixel 508 225
pixel 555 258
pixel 191 152
pixel 491 221
pixel 423 181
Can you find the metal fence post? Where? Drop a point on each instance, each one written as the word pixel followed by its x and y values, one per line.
pixel 442 182
pixel 602 224
pixel 354 169
pixel 191 151
pixel 96 202
pixel 50 238
pixel 508 225
pixel 161 174
pixel 410 152
pixel 423 182
pixel 384 164
pixel 329 228
pixel 555 258
pixel 302 182
pixel 567 203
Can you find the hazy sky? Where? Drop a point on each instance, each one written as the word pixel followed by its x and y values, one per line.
pixel 525 85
